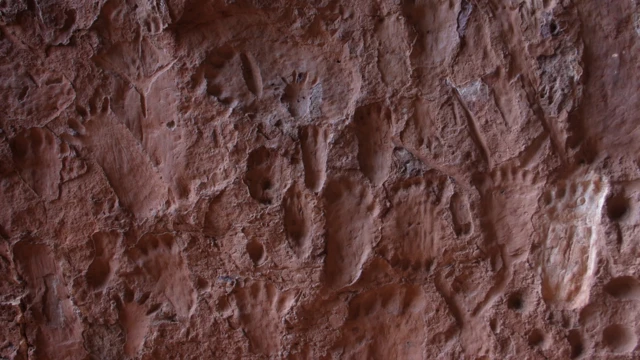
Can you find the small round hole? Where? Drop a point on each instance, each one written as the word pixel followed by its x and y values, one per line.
pixel 617 207
pixel 515 302
pixel 619 338
pixel 256 252
pixel 535 338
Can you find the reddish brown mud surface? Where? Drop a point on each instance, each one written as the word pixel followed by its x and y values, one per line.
pixel 249 179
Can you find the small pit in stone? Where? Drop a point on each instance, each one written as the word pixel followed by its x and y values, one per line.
pixel 575 341
pixel 515 302
pixel 623 288
pixel 536 338
pixel 617 207
pixel 619 338
pixel 255 249
pixel 202 283
pixel 553 28
pixel 493 324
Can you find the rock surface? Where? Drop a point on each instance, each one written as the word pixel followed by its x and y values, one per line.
pixel 388 179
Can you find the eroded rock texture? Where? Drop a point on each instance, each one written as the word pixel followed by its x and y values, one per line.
pixel 248 179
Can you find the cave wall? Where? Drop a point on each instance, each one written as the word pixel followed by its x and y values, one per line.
pixel 385 179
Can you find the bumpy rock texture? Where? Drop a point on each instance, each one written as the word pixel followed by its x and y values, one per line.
pixel 385 179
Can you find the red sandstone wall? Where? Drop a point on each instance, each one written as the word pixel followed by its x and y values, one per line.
pixel 416 179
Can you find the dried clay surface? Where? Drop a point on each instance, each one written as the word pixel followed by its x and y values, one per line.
pixel 291 179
